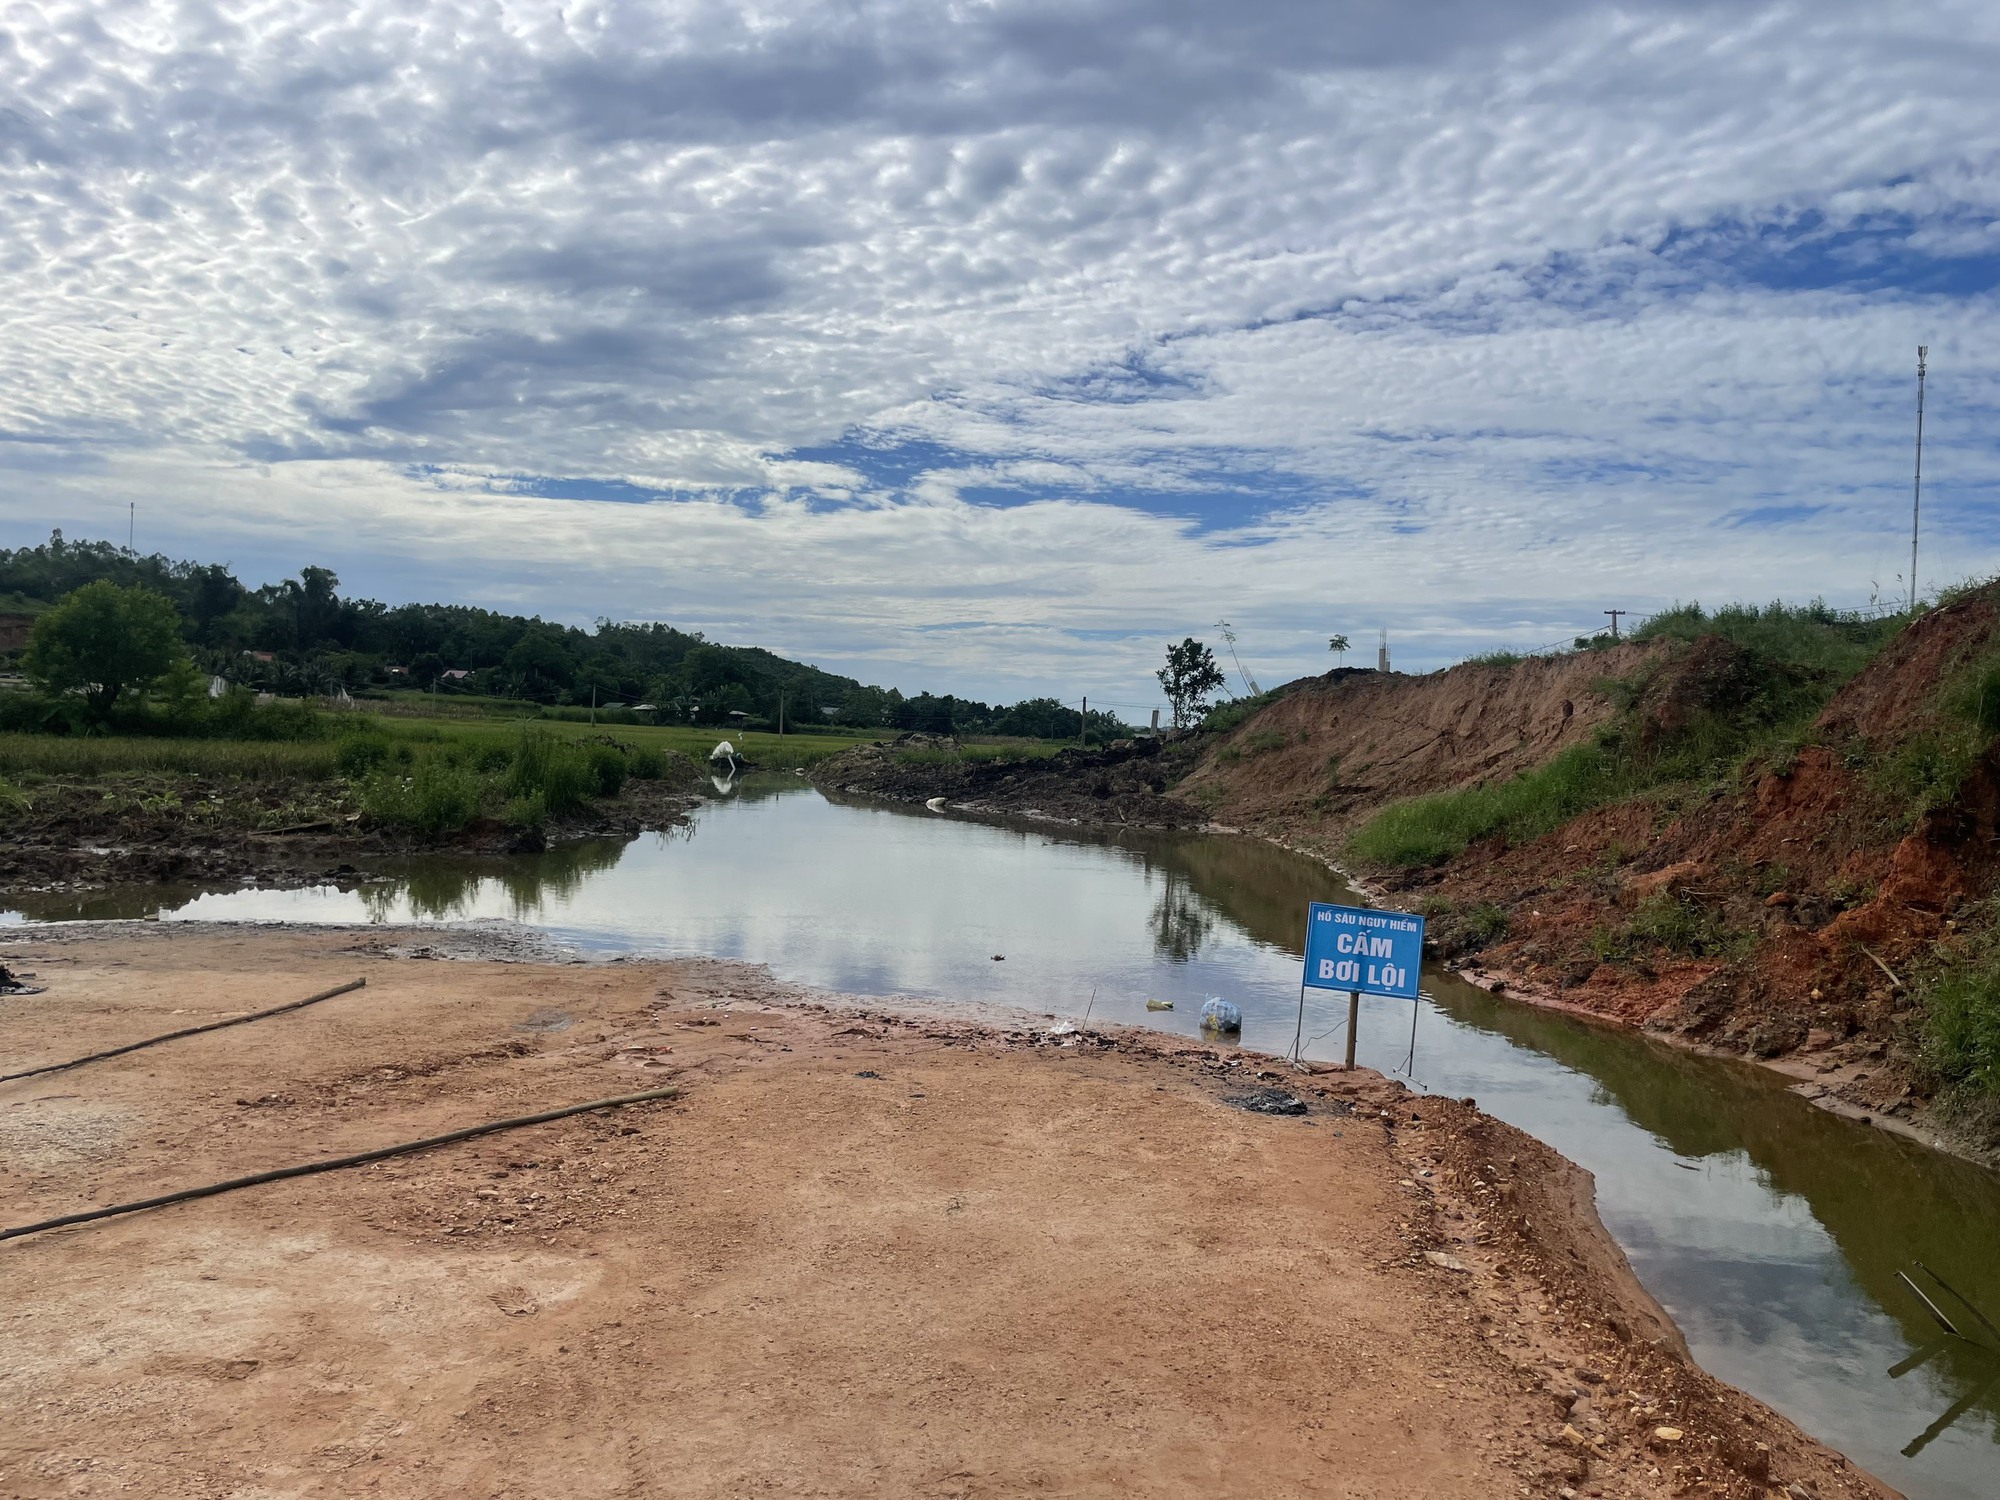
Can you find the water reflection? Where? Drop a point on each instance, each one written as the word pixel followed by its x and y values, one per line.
pixel 1181 920
pixel 1773 1232
pixel 446 890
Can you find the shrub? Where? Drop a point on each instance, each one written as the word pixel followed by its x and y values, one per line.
pixel 556 769
pixel 1486 922
pixel 1226 716
pixel 608 769
pixel 531 811
pixel 646 763
pixel 360 755
pixel 435 798
pixel 1959 1006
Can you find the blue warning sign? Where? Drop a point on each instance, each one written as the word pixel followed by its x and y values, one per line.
pixel 1353 948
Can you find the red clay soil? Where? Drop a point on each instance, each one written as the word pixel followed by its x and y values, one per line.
pixel 864 1252
pixel 1837 891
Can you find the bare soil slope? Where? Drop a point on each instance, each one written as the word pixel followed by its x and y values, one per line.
pixel 864 1253
pixel 1337 748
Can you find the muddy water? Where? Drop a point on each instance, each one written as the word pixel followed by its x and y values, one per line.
pixel 1772 1231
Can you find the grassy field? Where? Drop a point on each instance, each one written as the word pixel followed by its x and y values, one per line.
pixel 25 756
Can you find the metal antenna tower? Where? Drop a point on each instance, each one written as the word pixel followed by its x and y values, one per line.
pixel 1917 488
pixel 1229 638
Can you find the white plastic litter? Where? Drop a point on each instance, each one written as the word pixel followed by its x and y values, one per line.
pixel 1218 1014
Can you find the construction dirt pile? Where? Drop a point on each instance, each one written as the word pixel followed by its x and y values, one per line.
pixel 1332 750
pixel 861 1251
pixel 1124 784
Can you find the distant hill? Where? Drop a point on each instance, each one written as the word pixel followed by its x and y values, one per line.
pixel 303 635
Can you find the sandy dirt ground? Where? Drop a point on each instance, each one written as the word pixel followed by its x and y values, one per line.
pixel 864 1252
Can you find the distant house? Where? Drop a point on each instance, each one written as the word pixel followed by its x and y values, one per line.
pixel 454 674
pixel 262 655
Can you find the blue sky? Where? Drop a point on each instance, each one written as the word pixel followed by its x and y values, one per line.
pixel 988 348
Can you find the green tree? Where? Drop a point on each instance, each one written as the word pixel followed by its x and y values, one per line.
pixel 105 641
pixel 426 669
pixel 539 664
pixel 1338 646
pixel 1189 676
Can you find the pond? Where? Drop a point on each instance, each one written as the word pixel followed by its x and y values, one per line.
pixel 1772 1232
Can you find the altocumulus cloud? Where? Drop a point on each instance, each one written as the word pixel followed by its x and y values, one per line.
pixel 983 345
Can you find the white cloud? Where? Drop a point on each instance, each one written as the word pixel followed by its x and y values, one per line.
pixel 1489 272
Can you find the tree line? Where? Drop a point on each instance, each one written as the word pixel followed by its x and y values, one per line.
pixel 302 637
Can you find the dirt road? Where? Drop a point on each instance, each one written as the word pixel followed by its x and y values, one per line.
pixel 865 1252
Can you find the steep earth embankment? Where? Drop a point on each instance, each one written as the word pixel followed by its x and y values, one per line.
pixel 1779 909
pixel 1337 748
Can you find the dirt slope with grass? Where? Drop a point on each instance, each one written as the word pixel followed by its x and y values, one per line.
pixel 865 1252
pixel 1688 859
pixel 1333 749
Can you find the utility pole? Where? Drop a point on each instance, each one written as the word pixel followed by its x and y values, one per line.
pixel 1917 489
pixel 1083 727
pixel 132 522
pixel 593 705
pixel 1229 639
pixel 781 711
pixel 1615 613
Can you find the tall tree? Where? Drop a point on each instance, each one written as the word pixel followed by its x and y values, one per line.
pixel 104 641
pixel 1189 676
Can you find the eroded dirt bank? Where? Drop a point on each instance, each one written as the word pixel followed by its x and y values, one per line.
pixel 867 1251
pixel 1120 785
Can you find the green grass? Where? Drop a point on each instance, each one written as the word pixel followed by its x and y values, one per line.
pixel 1499 658
pixel 1425 830
pixel 1007 752
pixel 772 750
pixel 1958 1001
pixel 41 755
pixel 1226 716
pixel 1837 643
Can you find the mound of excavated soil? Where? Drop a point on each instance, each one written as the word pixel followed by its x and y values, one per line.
pixel 1338 748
